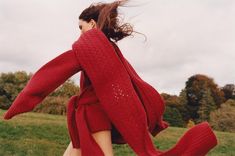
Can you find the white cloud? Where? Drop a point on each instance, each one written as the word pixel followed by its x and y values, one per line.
pixel 184 38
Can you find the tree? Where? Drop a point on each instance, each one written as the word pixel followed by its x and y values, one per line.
pixel 183 108
pixel 196 84
pixel 196 88
pixel 10 86
pixel 68 89
pixel 172 113
pixel 207 105
pixel 173 117
pixel 223 118
pixel 12 83
pixel 53 105
pixel 229 91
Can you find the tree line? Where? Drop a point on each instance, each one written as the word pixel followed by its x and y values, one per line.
pixel 55 103
pixel 201 100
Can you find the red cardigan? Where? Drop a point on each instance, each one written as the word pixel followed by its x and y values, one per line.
pixel 133 106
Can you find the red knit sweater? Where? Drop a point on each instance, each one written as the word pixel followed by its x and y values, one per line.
pixel 134 107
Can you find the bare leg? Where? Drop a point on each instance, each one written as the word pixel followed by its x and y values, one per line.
pixel 70 151
pixel 103 138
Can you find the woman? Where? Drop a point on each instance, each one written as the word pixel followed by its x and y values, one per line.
pixel 114 105
pixel 105 16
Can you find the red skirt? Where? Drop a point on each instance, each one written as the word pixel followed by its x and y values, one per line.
pixel 97 119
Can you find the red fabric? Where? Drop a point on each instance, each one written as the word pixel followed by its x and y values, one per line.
pixel 133 106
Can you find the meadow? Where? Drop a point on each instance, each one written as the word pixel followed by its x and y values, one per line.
pixel 41 134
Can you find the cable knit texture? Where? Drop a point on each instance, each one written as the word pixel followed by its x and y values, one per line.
pixel 133 106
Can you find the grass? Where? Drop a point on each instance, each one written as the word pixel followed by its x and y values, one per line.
pixel 40 134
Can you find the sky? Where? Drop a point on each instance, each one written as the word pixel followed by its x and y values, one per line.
pixel 184 37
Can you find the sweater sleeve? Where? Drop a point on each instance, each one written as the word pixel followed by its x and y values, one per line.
pixel 50 76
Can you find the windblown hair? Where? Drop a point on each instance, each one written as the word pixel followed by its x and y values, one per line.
pixel 107 19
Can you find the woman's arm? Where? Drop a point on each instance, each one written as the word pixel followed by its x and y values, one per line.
pixel 50 76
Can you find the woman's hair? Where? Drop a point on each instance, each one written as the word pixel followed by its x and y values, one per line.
pixel 107 19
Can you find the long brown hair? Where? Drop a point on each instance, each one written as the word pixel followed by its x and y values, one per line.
pixel 107 19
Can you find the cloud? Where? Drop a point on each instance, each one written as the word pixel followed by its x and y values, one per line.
pixel 183 38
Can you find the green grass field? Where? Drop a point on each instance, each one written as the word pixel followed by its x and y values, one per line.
pixel 36 134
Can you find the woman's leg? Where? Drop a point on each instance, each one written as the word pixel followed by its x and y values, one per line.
pixel 70 151
pixel 100 127
pixel 103 139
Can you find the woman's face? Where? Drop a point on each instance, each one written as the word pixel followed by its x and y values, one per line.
pixel 85 26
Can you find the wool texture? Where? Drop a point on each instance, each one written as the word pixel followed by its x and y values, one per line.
pixel 133 106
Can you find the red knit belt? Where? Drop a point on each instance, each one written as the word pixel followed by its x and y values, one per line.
pixel 86 97
pixel 77 125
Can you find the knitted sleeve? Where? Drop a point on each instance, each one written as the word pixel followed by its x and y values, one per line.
pixel 50 76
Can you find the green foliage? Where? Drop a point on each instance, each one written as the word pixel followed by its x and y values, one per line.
pixel 195 87
pixel 200 97
pixel 52 105
pixel 183 107
pixel 12 83
pixel 173 117
pixel 10 86
pixel 68 89
pixel 56 102
pixel 207 105
pixel 229 91
pixel 223 119
pixel 175 109
pixel 198 89
pixel 171 100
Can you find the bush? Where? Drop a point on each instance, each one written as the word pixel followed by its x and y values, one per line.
pixel 223 119
pixel 190 123
pixel 53 105
pixel 173 117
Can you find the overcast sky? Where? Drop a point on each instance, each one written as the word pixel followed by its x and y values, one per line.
pixel 184 37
